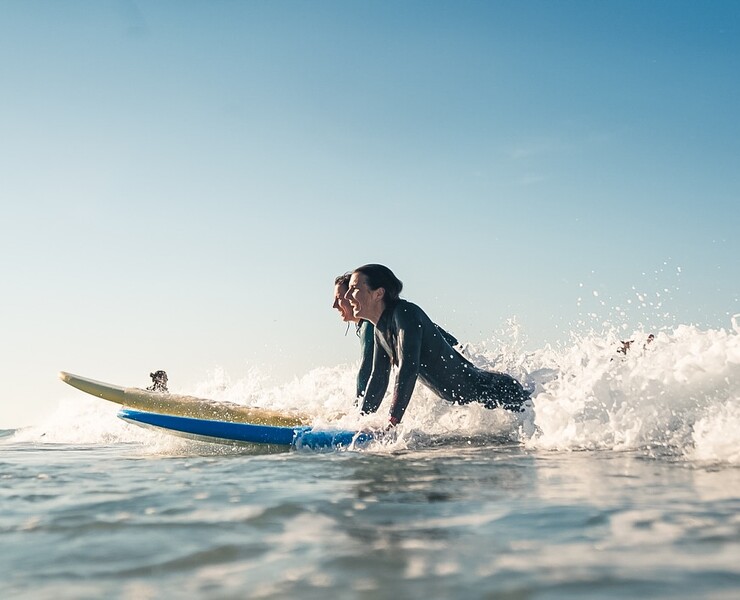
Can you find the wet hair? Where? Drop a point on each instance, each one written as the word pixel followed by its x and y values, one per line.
pixel 380 276
pixel 343 280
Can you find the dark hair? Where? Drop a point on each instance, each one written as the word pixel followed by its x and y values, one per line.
pixel 343 280
pixel 380 276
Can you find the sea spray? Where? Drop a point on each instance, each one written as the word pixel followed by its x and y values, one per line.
pixel 650 397
pixel 678 393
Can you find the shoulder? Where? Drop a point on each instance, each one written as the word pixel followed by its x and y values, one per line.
pixel 405 313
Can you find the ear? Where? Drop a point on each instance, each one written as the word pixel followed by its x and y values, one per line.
pixel 379 293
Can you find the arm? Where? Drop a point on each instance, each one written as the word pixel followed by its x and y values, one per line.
pixel 378 383
pixel 409 358
pixel 367 344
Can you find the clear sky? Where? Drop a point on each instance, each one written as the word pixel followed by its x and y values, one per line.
pixel 181 181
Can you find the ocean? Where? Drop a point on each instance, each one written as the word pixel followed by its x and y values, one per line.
pixel 622 481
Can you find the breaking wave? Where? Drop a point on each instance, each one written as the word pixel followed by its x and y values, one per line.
pixel 677 394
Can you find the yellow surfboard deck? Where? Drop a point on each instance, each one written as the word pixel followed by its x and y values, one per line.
pixel 183 406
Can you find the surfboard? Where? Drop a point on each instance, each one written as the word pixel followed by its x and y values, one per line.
pixel 225 432
pixel 166 403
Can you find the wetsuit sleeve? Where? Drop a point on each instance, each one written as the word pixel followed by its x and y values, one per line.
pixel 378 383
pixel 409 352
pixel 367 344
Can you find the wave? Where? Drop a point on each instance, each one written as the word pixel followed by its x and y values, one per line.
pixel 676 394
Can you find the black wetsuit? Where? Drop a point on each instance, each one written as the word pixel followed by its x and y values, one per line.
pixel 407 338
pixel 366 333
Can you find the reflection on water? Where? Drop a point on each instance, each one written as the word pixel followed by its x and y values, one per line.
pixel 436 523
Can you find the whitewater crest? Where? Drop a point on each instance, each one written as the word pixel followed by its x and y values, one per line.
pixel 679 392
pixel 676 393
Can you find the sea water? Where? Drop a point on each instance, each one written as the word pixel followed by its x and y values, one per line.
pixel 622 481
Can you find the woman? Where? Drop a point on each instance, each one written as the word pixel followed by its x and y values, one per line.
pixel 407 338
pixel 364 330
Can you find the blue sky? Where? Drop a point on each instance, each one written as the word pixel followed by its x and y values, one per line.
pixel 181 181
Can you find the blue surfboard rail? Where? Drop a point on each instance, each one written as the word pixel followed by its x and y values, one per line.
pixel 226 432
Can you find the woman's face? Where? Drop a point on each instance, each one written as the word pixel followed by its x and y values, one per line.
pixel 363 300
pixel 342 304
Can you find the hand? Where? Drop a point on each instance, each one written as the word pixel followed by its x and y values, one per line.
pixel 390 428
pixel 387 435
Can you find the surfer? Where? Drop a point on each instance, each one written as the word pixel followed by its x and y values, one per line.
pixel 363 328
pixel 625 347
pixel 407 338
pixel 159 382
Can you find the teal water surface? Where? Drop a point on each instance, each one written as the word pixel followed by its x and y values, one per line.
pixel 459 521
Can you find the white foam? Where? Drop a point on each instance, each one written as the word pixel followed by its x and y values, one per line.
pixel 680 393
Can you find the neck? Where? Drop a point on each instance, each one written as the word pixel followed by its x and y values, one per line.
pixel 375 314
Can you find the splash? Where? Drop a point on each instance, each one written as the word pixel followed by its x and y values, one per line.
pixel 678 394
